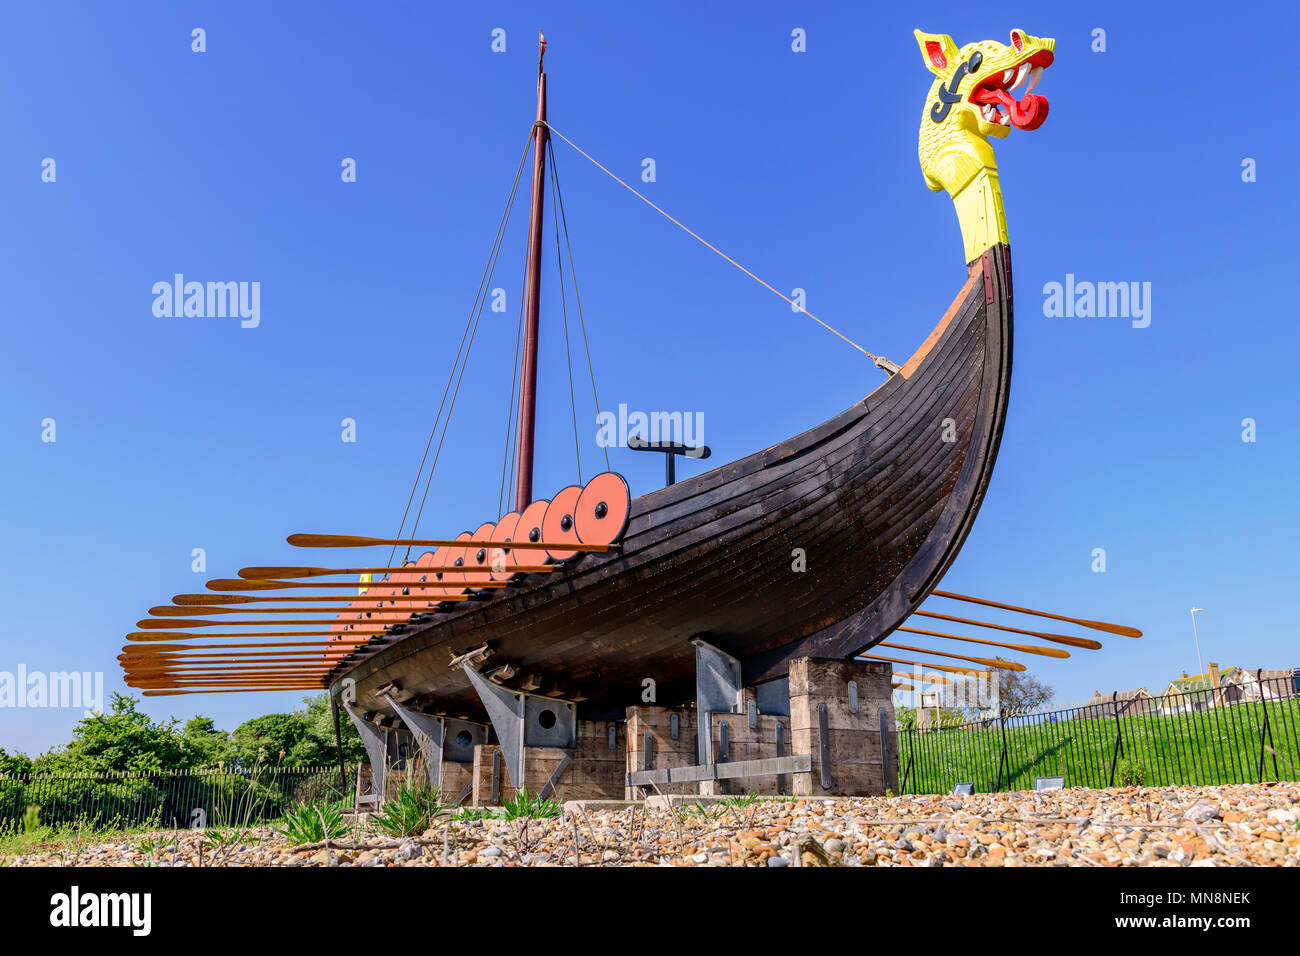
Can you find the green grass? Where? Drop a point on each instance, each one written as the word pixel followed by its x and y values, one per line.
pixel 1216 746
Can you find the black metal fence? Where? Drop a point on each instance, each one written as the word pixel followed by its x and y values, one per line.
pixel 176 798
pixel 1242 733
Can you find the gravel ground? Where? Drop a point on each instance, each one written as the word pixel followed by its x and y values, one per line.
pixel 1173 826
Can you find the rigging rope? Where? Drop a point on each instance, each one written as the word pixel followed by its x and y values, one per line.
pixel 564 312
pixel 577 298
pixel 880 361
pixel 476 312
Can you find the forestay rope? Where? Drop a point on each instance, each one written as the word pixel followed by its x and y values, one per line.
pixel 880 361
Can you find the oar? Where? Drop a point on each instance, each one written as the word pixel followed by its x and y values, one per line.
pixel 296 572
pixel 1084 642
pixel 1024 648
pixel 361 541
pixel 169 622
pixel 249 584
pixel 190 599
pixel 163 648
pixel 154 654
pixel 1119 629
pixel 937 667
pixel 195 610
pixel 181 635
pixel 228 690
pixel 1000 665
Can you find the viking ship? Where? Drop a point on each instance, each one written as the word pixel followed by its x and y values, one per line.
pixel 586 595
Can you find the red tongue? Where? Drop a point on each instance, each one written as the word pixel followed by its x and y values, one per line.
pixel 1029 112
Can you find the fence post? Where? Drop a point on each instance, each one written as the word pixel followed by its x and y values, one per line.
pixel 1119 738
pixel 1264 728
pixel 902 786
pixel 1002 718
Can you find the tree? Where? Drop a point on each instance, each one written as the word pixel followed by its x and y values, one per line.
pixel 204 745
pixel 121 739
pixel 14 763
pixel 1021 690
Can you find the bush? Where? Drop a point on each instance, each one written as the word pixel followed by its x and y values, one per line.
pixel 1130 773
pixel 413 810
pixel 313 823
pixel 527 805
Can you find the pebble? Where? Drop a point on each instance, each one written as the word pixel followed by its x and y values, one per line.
pixel 1170 826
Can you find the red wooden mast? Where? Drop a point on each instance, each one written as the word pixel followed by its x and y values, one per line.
pixel 532 290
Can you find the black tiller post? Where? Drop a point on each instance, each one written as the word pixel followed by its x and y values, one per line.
pixel 1119 737
pixel 338 743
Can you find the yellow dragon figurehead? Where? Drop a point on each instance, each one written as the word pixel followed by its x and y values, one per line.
pixel 970 100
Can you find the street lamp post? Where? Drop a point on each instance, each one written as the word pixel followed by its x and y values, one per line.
pixel 1196 637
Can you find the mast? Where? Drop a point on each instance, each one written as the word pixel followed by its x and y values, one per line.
pixel 532 291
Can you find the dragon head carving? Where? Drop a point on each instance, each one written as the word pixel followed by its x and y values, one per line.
pixel 971 99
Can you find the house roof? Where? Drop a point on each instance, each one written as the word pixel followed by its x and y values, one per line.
pixel 1186 685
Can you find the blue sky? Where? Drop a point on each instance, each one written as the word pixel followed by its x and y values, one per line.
pixel 178 433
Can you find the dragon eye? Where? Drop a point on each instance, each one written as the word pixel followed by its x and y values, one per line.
pixel 1018 41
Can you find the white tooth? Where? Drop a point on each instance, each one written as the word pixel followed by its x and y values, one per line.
pixel 1005 119
pixel 1007 75
pixel 1034 76
pixel 1020 75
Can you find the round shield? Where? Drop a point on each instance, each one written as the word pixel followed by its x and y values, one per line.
pixel 558 525
pixel 479 555
pixel 503 559
pixel 455 557
pixel 603 509
pixel 530 529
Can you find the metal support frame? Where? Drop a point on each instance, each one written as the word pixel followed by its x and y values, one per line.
pixel 524 720
pixel 718 690
pixel 555 776
pixel 430 733
pixel 824 740
pixel 375 739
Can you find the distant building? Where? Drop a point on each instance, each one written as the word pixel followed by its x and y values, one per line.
pixel 1127 703
pixel 1219 687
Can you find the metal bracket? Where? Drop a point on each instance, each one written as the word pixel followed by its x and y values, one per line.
pixel 724 743
pixel 648 753
pixel 752 706
pixel 853 697
pixel 555 777
pixel 496 776
pixel 718 690
pixel 824 739
pixel 524 720
pixel 780 752
pixel 613 737
pixel 674 726
pixel 429 732
pixel 375 739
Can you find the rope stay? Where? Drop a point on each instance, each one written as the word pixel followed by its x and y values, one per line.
pixel 564 313
pixel 577 298
pixel 461 360
pixel 879 360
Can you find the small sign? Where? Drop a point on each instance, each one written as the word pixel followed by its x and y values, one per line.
pixel 964 789
pixel 1049 783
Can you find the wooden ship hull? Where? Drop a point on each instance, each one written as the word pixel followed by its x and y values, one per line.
pixel 879 498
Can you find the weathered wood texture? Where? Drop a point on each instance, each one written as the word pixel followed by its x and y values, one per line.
pixel 665 751
pixel 853 739
pixel 880 498
pixel 595 771
pixel 750 743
